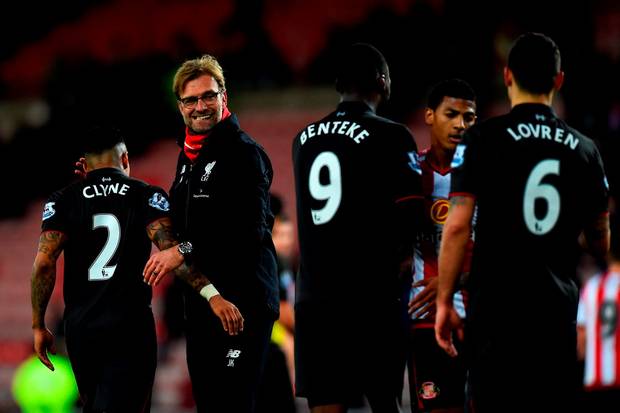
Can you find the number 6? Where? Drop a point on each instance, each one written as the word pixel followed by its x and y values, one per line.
pixel 534 190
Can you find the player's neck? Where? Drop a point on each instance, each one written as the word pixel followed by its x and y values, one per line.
pixel 614 266
pixel 440 159
pixel 372 100
pixel 92 166
pixel 518 96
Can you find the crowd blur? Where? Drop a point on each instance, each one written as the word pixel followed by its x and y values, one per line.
pixel 111 61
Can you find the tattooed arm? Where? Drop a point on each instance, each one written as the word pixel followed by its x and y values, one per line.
pixel 169 259
pixel 42 285
pixel 456 233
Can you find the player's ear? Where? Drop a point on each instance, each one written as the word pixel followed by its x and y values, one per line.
pixel 125 160
pixel 382 85
pixel 558 80
pixel 429 116
pixel 507 77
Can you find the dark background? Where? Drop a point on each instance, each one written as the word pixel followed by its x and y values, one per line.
pixel 64 65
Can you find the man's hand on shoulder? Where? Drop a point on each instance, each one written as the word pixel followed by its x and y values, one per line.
pixel 80 168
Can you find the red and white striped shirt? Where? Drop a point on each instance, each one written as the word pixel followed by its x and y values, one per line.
pixel 598 314
pixel 436 189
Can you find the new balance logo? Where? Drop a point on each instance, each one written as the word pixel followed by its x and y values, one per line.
pixel 231 356
pixel 233 353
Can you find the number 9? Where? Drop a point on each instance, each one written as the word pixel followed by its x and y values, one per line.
pixel 331 192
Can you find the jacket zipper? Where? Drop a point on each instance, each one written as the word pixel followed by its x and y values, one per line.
pixel 187 198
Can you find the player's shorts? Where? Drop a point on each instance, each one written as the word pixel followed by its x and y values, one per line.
pixel 436 380
pixel 114 368
pixel 341 357
pixel 522 369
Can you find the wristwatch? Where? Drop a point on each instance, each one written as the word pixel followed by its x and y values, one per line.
pixel 185 248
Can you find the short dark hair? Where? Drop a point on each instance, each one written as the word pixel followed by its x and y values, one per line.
pixel 534 60
pixel 100 138
pixel 358 68
pixel 454 88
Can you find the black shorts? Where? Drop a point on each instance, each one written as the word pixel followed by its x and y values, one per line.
pixel 114 368
pixel 436 380
pixel 226 370
pixel 339 358
pixel 527 369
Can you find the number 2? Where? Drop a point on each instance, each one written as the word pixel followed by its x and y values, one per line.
pixel 100 270
pixel 535 190
pixel 332 192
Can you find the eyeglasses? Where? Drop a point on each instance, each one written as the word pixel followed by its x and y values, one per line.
pixel 190 102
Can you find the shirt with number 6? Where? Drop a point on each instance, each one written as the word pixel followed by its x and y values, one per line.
pixel 538 183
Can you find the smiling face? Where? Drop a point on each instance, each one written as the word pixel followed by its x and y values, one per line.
pixel 449 121
pixel 207 111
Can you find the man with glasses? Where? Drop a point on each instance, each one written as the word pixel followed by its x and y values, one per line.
pixel 220 206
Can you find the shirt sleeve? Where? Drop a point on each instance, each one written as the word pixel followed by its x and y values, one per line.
pixel 598 185
pixel 466 164
pixel 55 213
pixel 406 186
pixel 156 204
pixel 407 175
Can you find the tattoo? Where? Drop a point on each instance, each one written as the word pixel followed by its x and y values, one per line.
pixel 44 274
pixel 457 200
pixel 49 243
pixel 160 232
pixel 192 276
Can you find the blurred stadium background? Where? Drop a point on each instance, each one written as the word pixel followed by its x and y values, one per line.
pixel 66 64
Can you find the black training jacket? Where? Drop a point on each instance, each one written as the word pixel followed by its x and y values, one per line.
pixel 221 204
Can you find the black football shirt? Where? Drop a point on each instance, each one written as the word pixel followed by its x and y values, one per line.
pixel 351 168
pixel 537 184
pixel 104 218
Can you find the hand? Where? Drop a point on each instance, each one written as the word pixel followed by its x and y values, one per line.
pixel 228 313
pixel 424 301
pixel 44 342
pixel 161 263
pixel 447 321
pixel 80 168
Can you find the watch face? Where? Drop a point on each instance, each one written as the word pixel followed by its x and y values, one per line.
pixel 185 248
